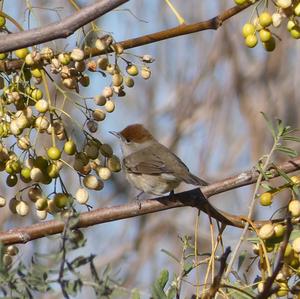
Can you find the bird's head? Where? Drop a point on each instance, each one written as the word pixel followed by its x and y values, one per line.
pixel 134 138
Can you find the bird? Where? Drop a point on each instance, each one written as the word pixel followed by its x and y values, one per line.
pixel 149 165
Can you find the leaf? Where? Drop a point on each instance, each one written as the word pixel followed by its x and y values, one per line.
pixel 280 127
pixel 290 152
pixel 266 186
pixel 171 255
pixel 158 293
pixel 283 174
pixel 242 258
pixel 163 278
pixel 291 138
pixel 269 124
pixel 188 268
pixel 171 293
pixel 296 189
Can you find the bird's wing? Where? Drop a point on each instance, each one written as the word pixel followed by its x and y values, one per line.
pixel 148 161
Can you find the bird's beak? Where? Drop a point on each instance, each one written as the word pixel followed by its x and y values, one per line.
pixel 116 134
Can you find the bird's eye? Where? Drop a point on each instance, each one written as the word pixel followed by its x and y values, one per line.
pixel 127 141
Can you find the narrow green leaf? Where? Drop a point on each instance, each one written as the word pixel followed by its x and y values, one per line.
pixel 242 258
pixel 163 278
pixel 269 124
pixel 170 255
pixel 284 149
pixel 282 174
pixel 280 127
pixel 291 138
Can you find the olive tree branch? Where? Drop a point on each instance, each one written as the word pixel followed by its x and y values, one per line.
pixel 193 198
pixel 212 24
pixel 61 29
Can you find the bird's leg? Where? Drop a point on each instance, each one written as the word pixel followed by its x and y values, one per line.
pixel 138 199
pixel 171 194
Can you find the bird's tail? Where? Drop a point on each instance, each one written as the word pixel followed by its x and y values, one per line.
pixel 194 180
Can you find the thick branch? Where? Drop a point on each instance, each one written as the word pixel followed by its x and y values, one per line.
pixel 61 29
pixel 213 23
pixel 193 198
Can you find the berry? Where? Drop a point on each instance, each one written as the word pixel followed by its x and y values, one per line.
pixel 248 29
pixel 265 19
pixel 2 21
pixel 265 35
pixel 54 153
pixel 70 147
pixel 11 180
pixel 240 2
pixel 270 45
pixel 251 41
pixel 21 53
pixel 61 200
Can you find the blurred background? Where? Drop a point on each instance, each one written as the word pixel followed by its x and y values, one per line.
pixel 203 100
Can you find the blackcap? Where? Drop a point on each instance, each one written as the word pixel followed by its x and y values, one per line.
pixel 150 166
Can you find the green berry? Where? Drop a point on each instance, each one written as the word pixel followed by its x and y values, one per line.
pixel 251 41
pixel 270 45
pixel 265 35
pixel 240 2
pixel 2 21
pixel 265 19
pixel 248 29
pixel 3 56
pixel 54 153
pixel 21 53
pixel 70 147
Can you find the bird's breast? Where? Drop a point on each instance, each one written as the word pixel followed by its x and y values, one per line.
pixel 154 184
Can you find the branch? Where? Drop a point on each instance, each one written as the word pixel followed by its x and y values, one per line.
pixel 213 23
pixel 60 29
pixel 192 198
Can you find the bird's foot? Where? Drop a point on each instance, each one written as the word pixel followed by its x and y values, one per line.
pixel 171 195
pixel 138 201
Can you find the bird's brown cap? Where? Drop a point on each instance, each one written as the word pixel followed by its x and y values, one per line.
pixel 136 133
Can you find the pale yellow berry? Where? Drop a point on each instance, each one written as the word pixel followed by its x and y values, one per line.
pixel 284 3
pixel 42 215
pixel 107 92
pixel 22 208
pixel 77 54
pixel 145 72
pixel 266 231
pixel 110 106
pixel 92 182
pixel 2 202
pixel 82 196
pixel 42 106
pixel 104 173
pixel 294 207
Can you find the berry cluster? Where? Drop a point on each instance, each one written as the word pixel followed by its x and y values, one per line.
pixel 272 235
pixel 29 114
pixel 261 28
